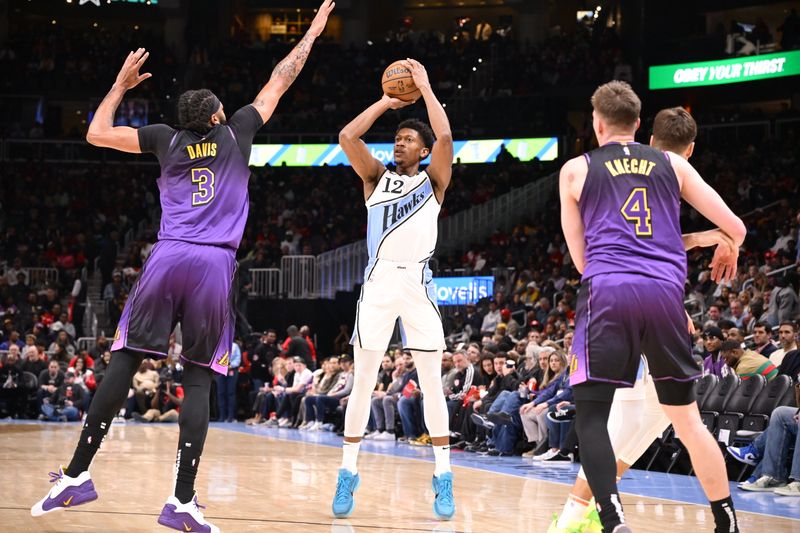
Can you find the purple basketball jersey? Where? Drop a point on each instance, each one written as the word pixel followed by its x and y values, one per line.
pixel 203 182
pixel 630 206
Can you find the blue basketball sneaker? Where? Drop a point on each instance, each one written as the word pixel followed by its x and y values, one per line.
pixel 444 507
pixel 346 485
pixel 746 454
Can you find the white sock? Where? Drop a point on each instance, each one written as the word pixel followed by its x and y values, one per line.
pixel 442 456
pixel 573 511
pixel 350 456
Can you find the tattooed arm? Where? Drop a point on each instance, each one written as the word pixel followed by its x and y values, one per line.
pixel 287 70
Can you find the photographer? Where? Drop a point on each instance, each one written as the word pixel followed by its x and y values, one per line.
pixel 166 403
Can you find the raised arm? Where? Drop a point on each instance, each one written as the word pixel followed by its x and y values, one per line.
pixel 367 167
pixel 440 169
pixel 102 131
pixel 285 72
pixel 572 173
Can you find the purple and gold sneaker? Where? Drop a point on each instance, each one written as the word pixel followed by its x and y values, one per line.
pixel 66 493
pixel 185 516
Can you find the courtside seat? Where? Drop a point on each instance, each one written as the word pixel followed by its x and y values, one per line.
pixel 716 403
pixel 738 406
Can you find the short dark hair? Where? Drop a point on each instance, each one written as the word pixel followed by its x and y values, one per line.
pixel 764 325
pixel 616 102
pixel 195 108
pixel 789 323
pixel 674 129
pixel 425 131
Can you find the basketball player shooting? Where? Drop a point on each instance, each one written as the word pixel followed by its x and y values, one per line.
pixel 402 211
pixel 620 215
pixel 636 417
pixel 189 276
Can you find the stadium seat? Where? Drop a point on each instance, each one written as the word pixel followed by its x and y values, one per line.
pixel 705 387
pixel 716 403
pixel 740 404
pixel 789 398
pixel 756 420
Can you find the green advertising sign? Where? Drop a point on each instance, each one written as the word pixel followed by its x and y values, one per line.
pixel 740 69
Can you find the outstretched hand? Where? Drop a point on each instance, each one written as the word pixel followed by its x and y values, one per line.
pixel 321 18
pixel 129 76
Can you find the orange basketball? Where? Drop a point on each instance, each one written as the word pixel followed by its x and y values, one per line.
pixel 397 82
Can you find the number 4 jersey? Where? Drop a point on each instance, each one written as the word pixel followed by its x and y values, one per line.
pixel 630 206
pixel 203 182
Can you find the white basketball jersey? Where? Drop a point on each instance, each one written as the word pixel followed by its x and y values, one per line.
pixel 402 215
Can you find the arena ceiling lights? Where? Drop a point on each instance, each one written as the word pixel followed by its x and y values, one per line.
pixel 479 151
pixel 737 70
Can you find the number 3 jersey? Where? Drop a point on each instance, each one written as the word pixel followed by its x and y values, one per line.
pixel 402 215
pixel 204 178
pixel 630 207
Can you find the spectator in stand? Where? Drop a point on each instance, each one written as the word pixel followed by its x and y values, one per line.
pixel 85 378
pixel 64 324
pixel 491 319
pixel 448 372
pixel 297 346
pixel 713 363
pixel 408 400
pixel 783 300
pixel 49 382
pixel 472 322
pixel 266 400
pixel 775 477
pixel 65 405
pixel 462 381
pixel 341 344
pixel 324 380
pixel 101 365
pixel 384 402
pixel 226 385
pixel 166 403
pixel 84 356
pixel 331 400
pixel 713 316
pixel 474 353
pixel 787 336
pixel 746 363
pixel 12 386
pixel 762 339
pixel 13 338
pixel 101 345
pixel 289 404
pixel 305 332
pixel 62 341
pixel 533 415
pixel 261 359
pixel 790 366
pixel 145 385
pixel 736 313
pixel 33 362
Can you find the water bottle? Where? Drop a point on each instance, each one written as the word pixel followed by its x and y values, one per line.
pixel 523 391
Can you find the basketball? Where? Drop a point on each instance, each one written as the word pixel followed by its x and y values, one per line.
pixel 397 82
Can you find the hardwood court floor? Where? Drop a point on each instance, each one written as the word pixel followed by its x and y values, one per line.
pixel 253 483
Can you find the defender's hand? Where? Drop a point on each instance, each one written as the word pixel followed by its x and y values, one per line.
pixel 129 76
pixel 321 18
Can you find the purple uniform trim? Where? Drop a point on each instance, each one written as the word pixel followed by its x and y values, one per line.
pixel 621 316
pixel 184 283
